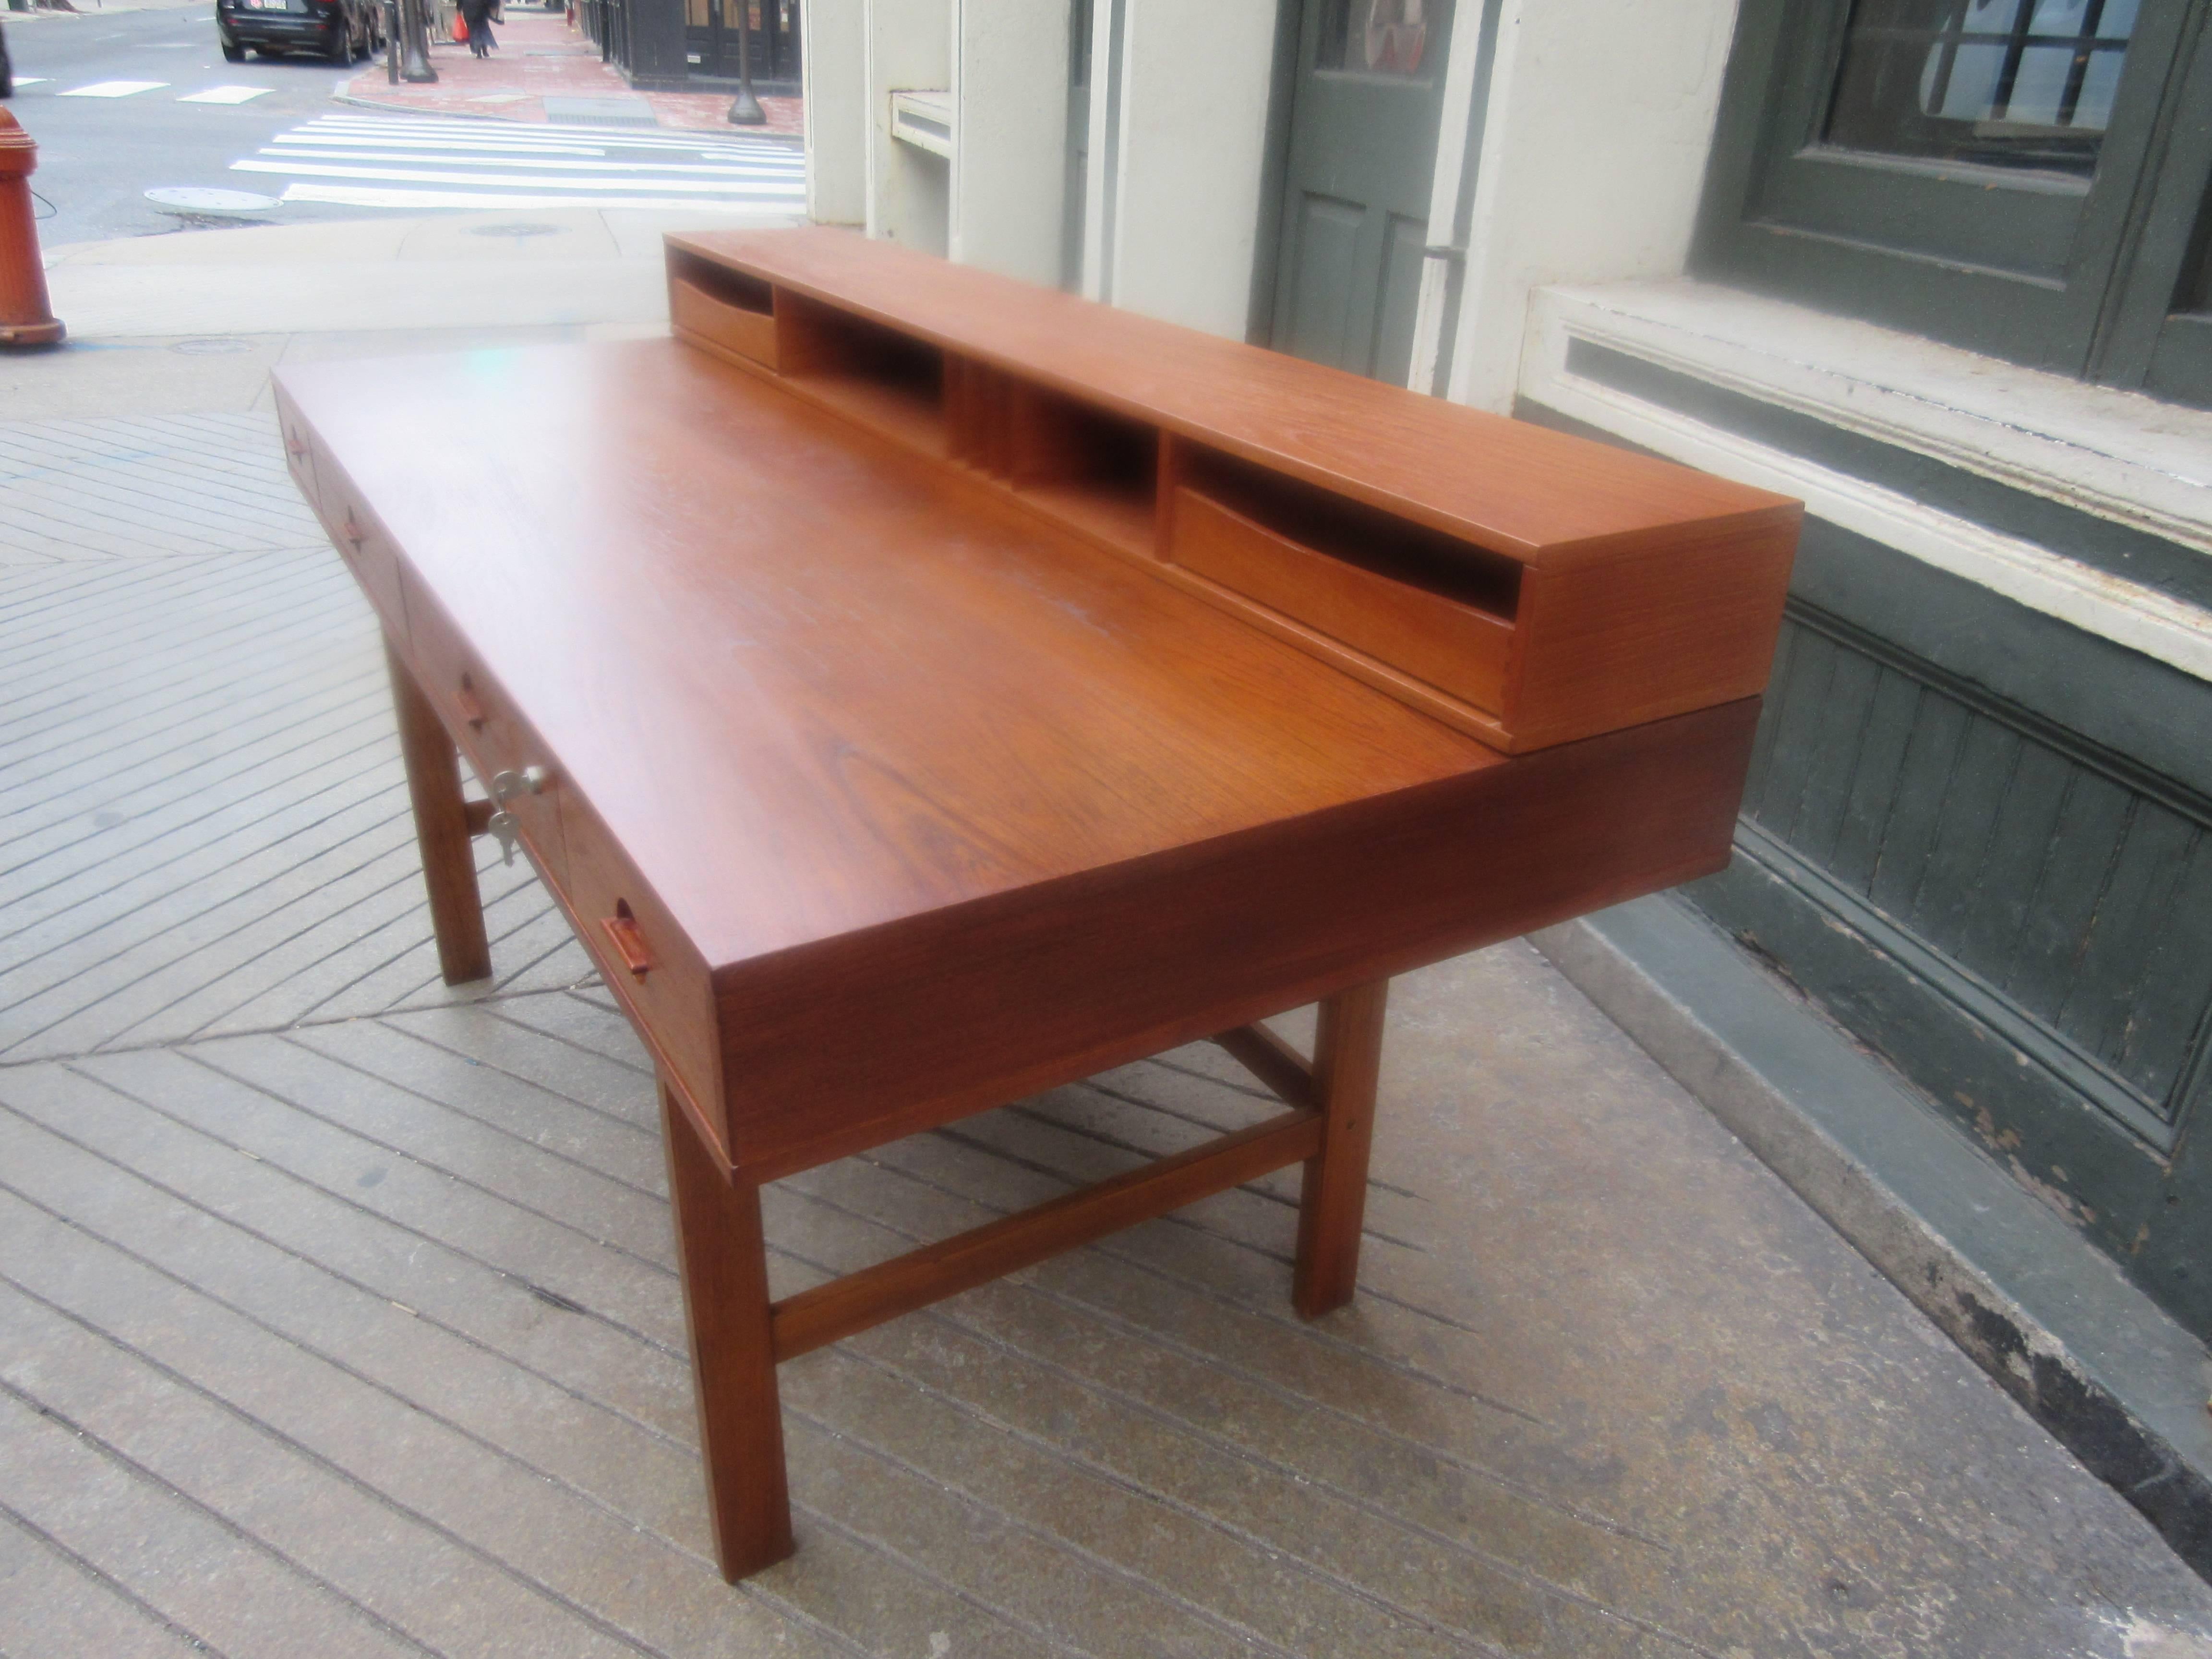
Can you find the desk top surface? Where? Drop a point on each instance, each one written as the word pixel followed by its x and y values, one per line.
pixel 811 685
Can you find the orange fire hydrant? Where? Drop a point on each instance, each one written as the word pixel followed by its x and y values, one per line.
pixel 26 317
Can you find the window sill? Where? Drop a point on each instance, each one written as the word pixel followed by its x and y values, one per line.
pixel 2119 456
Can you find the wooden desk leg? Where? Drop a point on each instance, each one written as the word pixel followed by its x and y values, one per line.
pixel 1332 1201
pixel 725 1264
pixel 441 829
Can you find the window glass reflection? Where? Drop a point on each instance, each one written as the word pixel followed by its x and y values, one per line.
pixel 1377 37
pixel 2016 84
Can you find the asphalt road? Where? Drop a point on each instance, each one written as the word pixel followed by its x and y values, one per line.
pixel 99 156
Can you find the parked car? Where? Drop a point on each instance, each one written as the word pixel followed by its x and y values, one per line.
pixel 339 31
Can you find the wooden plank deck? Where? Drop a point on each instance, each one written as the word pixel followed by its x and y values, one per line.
pixel 337 1313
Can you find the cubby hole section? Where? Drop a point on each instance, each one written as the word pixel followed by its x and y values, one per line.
pixel 877 376
pixel 1357 534
pixel 1093 470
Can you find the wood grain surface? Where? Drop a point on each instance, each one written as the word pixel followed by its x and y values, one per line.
pixel 1503 483
pixel 809 688
pixel 1525 586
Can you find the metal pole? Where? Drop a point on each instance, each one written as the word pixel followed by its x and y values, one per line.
pixel 416 62
pixel 391 42
pixel 745 110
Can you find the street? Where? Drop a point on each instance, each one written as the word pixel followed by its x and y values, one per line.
pixel 133 102
pixel 98 156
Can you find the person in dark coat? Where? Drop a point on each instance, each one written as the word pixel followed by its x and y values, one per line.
pixel 477 13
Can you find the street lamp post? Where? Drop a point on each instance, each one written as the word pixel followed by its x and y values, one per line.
pixel 414 64
pixel 746 109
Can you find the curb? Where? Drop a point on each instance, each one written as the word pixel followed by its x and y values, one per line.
pixel 795 140
pixel 2083 1352
pixel 445 115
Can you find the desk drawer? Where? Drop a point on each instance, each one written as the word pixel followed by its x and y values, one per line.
pixel 1454 646
pixel 368 553
pixel 697 312
pixel 496 740
pixel 353 530
pixel 298 452
pixel 648 961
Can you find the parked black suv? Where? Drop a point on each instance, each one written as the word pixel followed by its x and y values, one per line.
pixel 336 30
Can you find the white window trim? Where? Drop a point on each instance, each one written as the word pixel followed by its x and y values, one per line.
pixel 2117 454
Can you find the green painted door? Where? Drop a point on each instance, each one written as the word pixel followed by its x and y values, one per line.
pixel 1362 143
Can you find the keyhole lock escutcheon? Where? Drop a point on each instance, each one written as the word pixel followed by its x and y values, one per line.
pixel 506 786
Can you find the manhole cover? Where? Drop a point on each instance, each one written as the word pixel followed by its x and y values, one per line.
pixel 514 230
pixel 211 348
pixel 195 199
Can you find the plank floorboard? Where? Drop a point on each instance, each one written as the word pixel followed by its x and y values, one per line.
pixel 373 1249
pixel 258 1434
pixel 624 1222
pixel 581 1023
pixel 506 1236
pixel 72 719
pixel 337 1315
pixel 615 1145
pixel 209 818
pixel 219 1580
pixel 546 1054
pixel 53 1604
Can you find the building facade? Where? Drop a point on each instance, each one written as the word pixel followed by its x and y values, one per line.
pixel 1938 267
pixel 694 46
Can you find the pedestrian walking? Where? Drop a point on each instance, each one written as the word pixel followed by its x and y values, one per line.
pixel 477 13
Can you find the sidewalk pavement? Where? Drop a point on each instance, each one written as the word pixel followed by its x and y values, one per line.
pixel 336 1307
pixel 540 55
pixel 195 321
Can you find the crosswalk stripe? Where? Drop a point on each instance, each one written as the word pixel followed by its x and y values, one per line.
pixel 112 89
pixel 226 95
pixel 480 130
pixel 293 152
pixel 507 181
pixel 407 160
pixel 491 201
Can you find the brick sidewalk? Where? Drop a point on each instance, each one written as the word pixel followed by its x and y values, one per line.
pixel 541 55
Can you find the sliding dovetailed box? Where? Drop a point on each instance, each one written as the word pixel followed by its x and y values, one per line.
pixel 1522 585
pixel 723 311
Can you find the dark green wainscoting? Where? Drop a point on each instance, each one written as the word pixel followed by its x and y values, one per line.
pixel 2021 922
pixel 1981 839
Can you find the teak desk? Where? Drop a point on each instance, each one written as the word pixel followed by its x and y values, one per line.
pixel 921 690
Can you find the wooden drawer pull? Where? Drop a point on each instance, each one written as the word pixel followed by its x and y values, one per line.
pixel 629 943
